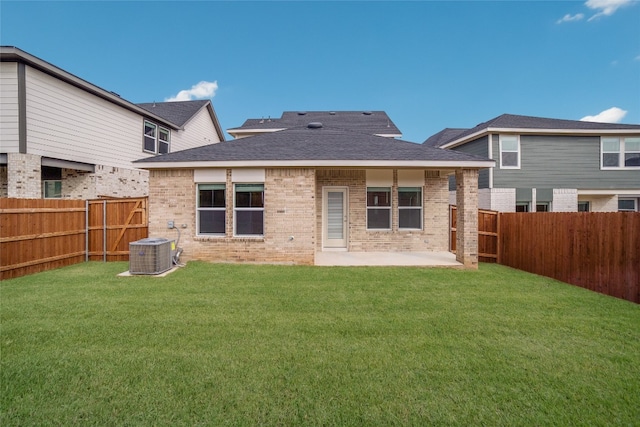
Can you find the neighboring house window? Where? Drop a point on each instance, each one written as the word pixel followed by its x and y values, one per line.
pixel 630 205
pixel 52 189
pixel 51 182
pixel 522 207
pixel 249 209
pixel 583 207
pixel 156 139
pixel 378 208
pixel 410 207
pixel 150 138
pixel 543 207
pixel 620 152
pixel 211 209
pixel 163 141
pixel 509 152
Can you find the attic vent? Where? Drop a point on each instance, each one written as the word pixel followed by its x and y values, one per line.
pixel 367 113
pixel 314 125
pixel 302 113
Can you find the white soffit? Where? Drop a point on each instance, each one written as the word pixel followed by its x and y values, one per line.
pixel 210 175
pixel 247 175
pixel 410 178
pixel 379 177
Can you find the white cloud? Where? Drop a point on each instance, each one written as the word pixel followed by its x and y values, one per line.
pixel 200 91
pixel 570 18
pixel 612 115
pixel 606 7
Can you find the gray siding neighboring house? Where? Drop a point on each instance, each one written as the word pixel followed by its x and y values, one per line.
pixel 555 165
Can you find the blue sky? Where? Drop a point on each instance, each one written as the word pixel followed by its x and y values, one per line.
pixel 429 64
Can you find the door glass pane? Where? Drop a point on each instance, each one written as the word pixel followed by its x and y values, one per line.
pixel 335 213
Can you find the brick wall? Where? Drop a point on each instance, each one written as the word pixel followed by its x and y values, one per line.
pixel 565 200
pixel 292 217
pixel 24 176
pixel 433 237
pixel 106 181
pixel 289 232
pixel 467 217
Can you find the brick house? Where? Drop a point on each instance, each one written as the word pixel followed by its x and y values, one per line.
pixel 313 182
pixel 63 137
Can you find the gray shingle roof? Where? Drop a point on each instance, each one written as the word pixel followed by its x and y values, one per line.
pixel 445 135
pixel 303 143
pixel 372 122
pixel 176 112
pixel 512 121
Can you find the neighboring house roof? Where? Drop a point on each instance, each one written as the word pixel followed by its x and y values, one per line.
pixel 180 112
pixel 14 54
pixel 314 146
pixel 443 136
pixel 527 124
pixel 371 122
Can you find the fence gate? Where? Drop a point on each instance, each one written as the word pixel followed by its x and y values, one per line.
pixel 112 224
pixel 488 226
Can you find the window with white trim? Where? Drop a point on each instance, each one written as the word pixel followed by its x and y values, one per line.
pixel 248 210
pixel 627 205
pixel 211 209
pixel 378 208
pixel 156 139
pixel 509 152
pixel 163 141
pixel 619 152
pixel 410 208
pixel 522 207
pixel 150 138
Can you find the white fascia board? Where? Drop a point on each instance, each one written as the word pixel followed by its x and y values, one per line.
pixel 530 131
pixel 433 164
pixel 13 53
pixel 610 192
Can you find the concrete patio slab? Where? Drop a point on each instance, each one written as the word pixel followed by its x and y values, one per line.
pixel 432 259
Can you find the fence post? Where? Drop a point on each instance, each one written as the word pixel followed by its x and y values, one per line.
pixel 498 239
pixel 86 230
pixel 104 231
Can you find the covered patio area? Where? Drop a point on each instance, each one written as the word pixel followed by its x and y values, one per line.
pixel 418 259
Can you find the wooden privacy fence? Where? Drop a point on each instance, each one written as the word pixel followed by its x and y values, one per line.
pixel 597 251
pixel 42 234
pixel 593 250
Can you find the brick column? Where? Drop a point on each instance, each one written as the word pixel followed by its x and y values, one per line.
pixel 467 217
pixel 24 179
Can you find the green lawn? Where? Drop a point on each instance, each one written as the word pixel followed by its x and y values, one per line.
pixel 281 345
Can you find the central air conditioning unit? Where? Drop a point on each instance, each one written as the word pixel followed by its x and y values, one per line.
pixel 151 256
